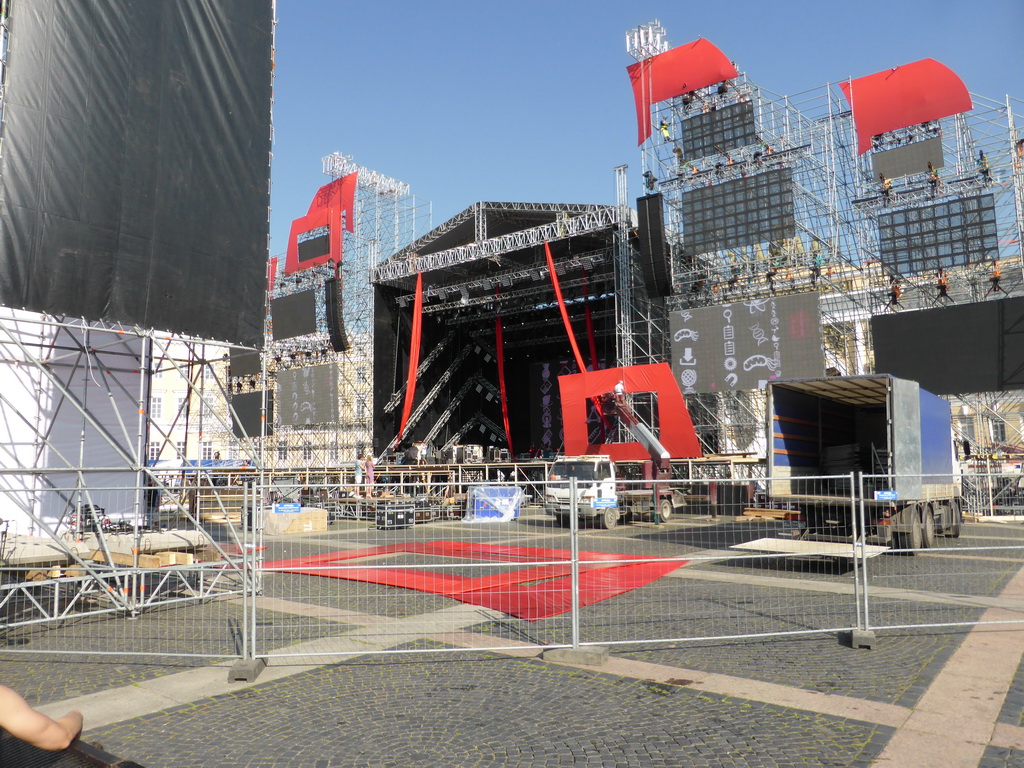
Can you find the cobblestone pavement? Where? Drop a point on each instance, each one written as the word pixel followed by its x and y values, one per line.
pixel 485 711
pixel 759 702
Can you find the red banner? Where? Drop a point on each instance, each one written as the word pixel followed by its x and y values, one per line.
pixel 903 96
pixel 320 229
pixel 499 343
pixel 563 310
pixel 414 355
pixel 673 73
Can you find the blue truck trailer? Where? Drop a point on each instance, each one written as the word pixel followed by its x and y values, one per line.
pixel 883 443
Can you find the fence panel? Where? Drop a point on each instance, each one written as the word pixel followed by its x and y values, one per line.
pixel 421 559
pixel 105 554
pixel 947 566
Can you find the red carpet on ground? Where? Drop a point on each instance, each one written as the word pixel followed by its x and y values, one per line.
pixel 529 593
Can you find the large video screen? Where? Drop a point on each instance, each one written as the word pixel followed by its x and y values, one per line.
pixel 954 350
pixel 294 315
pixel 308 395
pixel 908 160
pixel 745 345
pixel 744 211
pixel 135 165
pixel 949 234
pixel 247 414
pixel 719 130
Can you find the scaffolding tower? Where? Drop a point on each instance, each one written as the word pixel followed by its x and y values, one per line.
pixel 837 202
pixel 387 217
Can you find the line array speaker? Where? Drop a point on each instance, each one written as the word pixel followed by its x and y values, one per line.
pixel 654 262
pixel 335 318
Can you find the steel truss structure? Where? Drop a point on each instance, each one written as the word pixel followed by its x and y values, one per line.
pixel 386 218
pixel 489 262
pixel 86 459
pixel 837 203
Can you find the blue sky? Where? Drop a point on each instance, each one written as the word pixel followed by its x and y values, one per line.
pixel 529 100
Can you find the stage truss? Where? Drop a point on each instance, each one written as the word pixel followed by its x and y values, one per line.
pixel 835 250
pixel 109 438
pixel 387 216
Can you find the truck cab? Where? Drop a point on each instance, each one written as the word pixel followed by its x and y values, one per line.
pixel 596 496
pixel 607 492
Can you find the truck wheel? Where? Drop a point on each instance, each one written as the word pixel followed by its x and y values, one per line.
pixel 927 527
pixel 958 518
pixel 609 518
pixel 916 531
pixel 665 510
pixel 909 540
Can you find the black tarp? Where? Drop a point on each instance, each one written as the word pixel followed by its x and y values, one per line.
pixel 135 163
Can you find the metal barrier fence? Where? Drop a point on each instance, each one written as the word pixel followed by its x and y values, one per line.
pixel 317 572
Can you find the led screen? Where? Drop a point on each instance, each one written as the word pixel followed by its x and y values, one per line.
pixel 908 160
pixel 246 416
pixel 308 395
pixel 944 235
pixel 135 164
pixel 744 211
pixel 294 315
pixel 955 349
pixel 744 345
pixel 719 130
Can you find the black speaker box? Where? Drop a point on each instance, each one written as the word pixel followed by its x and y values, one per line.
pixel 654 259
pixel 335 320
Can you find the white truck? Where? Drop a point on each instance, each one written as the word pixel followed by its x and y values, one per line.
pixel 603 496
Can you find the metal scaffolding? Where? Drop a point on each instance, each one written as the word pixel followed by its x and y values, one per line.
pixel 387 217
pixel 837 202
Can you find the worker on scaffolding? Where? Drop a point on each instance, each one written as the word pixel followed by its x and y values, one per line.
pixel 994 279
pixel 895 291
pixel 886 183
pixel 933 178
pixel 650 181
pixel 943 286
pixel 666 134
pixel 984 170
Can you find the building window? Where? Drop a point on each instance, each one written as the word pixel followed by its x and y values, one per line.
pixel 282 453
pixel 307 452
pixel 156 407
pixel 206 450
pixel 360 408
pixel 154 451
pixel 181 403
pixel 179 448
pixel 998 431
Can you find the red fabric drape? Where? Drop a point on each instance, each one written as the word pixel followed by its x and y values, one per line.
pixel 563 310
pixel 414 355
pixel 499 343
pixel 591 338
pixel 902 96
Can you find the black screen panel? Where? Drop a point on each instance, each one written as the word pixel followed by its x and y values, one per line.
pixel 245 363
pixel 314 244
pixel 743 211
pixel 133 181
pixel 719 130
pixel 246 417
pixel 957 349
pixel 952 233
pixel 654 259
pixel 294 315
pixel 335 316
pixel 908 160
